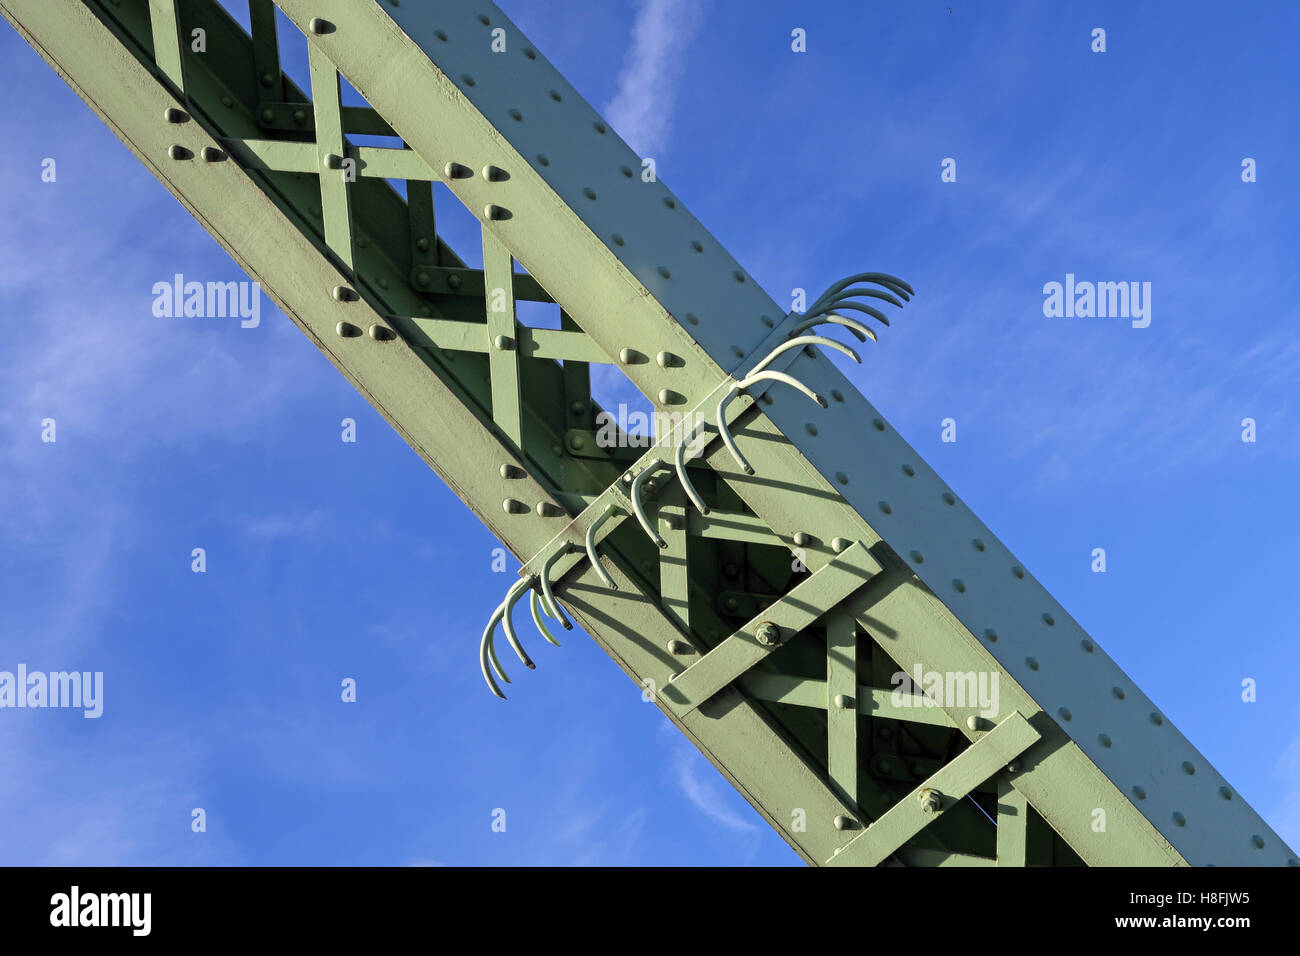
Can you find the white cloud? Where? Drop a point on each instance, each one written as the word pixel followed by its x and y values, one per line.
pixel 642 108
pixel 706 794
pixel 1286 815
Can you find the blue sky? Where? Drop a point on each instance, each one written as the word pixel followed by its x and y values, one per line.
pixel 329 560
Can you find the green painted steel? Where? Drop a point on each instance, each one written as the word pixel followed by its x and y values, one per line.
pixel 831 559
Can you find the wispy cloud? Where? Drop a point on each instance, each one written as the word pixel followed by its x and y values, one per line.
pixel 642 108
pixel 1286 815
pixel 709 795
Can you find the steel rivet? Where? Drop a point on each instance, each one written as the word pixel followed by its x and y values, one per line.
pixel 840 545
pixel 343 294
pixel 211 154
pixel 843 701
pixel 179 152
pixel 173 115
pixel 319 26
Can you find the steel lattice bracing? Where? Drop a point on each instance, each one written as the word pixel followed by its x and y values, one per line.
pixel 778 670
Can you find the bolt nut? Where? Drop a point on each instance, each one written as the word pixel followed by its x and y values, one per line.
pixel 768 634
pixel 931 800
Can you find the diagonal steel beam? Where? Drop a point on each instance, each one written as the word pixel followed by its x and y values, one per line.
pixel 938 794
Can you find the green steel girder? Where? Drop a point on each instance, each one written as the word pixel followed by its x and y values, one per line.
pixel 493 407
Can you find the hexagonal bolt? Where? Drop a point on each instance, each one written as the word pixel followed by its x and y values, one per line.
pixel 767 634
pixel 931 800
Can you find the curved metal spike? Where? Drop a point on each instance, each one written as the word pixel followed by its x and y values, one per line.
pixel 639 511
pixel 870 293
pixel 592 556
pixel 553 605
pixel 679 460
pixel 512 597
pixel 830 318
pixel 896 285
pixel 784 379
pixel 487 653
pixel 825 317
pixel 535 606
pixel 725 432
pixel 859 307
pixel 800 343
